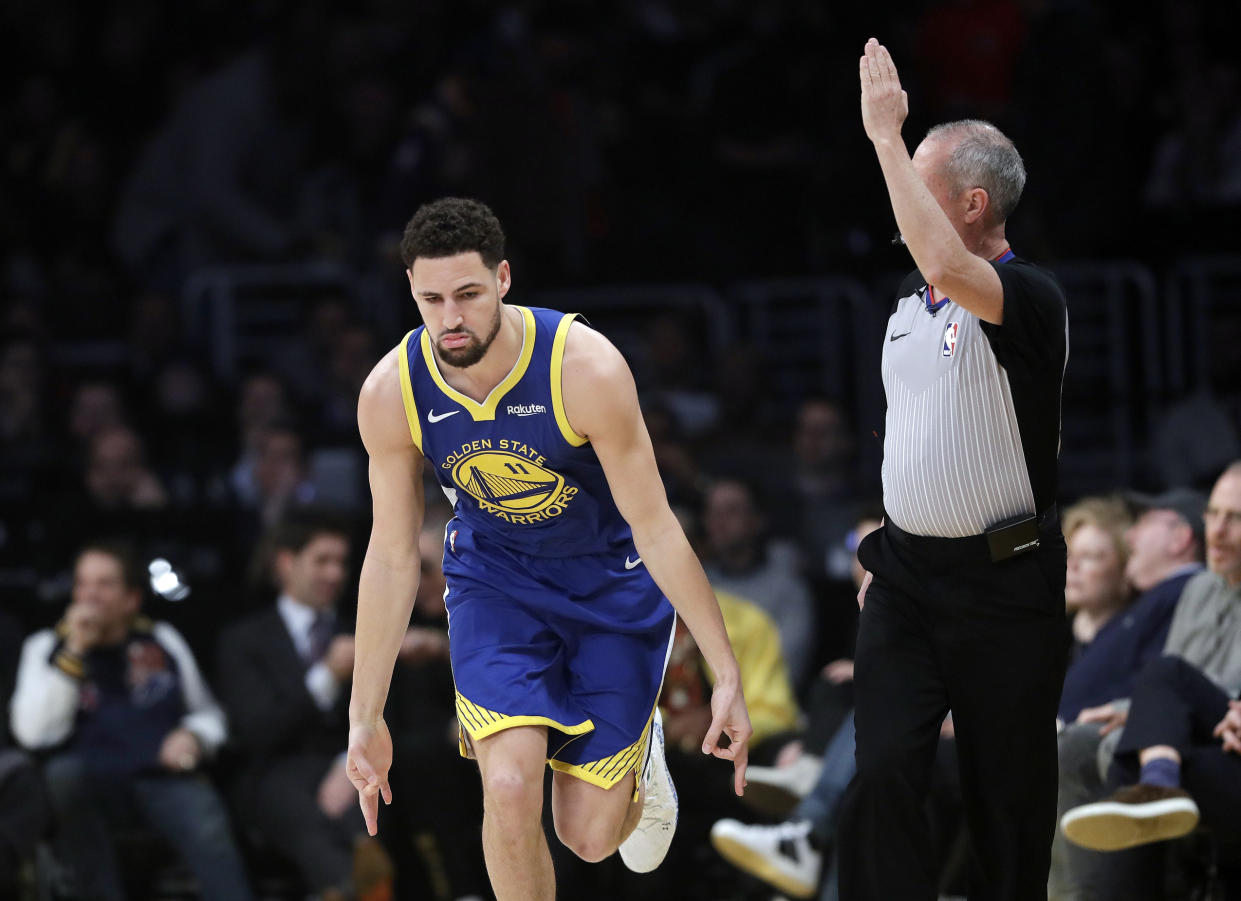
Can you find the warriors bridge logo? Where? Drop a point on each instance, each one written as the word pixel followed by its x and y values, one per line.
pixel 509 481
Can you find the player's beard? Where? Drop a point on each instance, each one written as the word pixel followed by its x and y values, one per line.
pixel 469 354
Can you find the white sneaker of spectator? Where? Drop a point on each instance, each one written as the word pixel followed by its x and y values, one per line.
pixel 776 790
pixel 780 855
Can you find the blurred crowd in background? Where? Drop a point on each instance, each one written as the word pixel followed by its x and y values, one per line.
pixel 147 144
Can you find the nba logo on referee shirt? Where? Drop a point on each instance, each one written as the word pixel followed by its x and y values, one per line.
pixel 950 338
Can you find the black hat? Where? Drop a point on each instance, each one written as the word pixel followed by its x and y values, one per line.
pixel 1190 505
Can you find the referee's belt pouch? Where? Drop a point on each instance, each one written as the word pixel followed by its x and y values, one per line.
pixel 1012 537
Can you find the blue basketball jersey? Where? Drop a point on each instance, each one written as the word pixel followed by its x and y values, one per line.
pixel 512 466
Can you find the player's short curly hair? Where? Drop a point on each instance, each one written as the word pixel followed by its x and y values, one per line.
pixel 453 225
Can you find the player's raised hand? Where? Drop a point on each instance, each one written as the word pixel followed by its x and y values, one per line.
pixel 884 104
pixel 367 764
pixel 729 717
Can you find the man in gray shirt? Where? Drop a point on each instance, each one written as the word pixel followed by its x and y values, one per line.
pixel 964 607
pixel 1182 719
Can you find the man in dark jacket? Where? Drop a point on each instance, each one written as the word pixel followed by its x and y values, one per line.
pixel 283 680
pixel 1165 546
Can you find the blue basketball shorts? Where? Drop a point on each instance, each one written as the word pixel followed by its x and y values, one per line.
pixel 576 644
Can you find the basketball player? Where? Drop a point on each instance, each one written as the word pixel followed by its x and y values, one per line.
pixel 561 561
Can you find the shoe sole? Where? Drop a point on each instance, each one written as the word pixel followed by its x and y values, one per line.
pixel 746 858
pixel 1112 826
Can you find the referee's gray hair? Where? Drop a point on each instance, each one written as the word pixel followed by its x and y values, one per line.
pixel 984 157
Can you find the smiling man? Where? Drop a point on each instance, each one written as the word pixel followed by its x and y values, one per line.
pixel 563 562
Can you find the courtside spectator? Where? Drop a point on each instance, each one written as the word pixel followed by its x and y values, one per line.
pixel 284 675
pixel 119 705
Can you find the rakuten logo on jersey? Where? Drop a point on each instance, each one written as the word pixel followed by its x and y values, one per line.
pixel 526 409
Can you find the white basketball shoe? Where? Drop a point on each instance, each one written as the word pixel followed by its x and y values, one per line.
pixel 648 844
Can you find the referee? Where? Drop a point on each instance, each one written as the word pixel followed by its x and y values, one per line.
pixel 964 604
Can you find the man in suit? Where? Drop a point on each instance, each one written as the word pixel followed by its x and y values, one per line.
pixel 283 679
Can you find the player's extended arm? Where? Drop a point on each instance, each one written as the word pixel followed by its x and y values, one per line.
pixel 937 249
pixel 389 579
pixel 601 402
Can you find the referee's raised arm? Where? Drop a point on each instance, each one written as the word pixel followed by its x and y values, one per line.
pixel 951 258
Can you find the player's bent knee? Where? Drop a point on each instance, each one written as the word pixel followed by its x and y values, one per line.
pixel 589 843
pixel 510 789
pixel 594 852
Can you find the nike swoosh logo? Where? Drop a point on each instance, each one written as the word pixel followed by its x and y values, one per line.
pixel 894 336
pixel 431 417
pixel 630 564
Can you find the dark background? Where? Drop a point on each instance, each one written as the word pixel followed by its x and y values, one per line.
pixel 197 196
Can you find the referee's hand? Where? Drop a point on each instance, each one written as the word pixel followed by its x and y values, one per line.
pixel 884 104
pixel 861 593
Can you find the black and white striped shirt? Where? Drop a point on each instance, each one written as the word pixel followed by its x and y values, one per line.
pixel 972 433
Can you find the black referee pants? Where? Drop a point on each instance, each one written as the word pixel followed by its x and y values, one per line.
pixel 945 628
